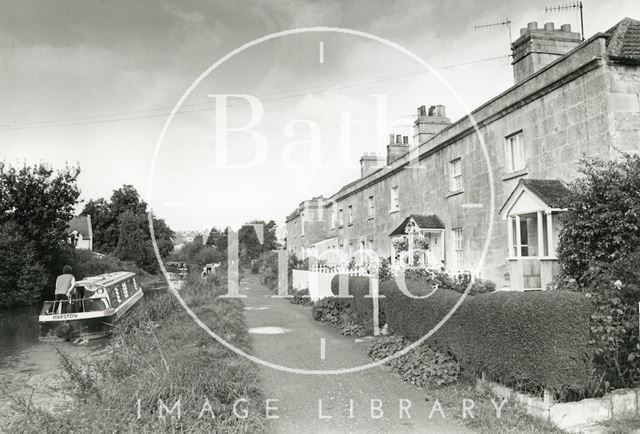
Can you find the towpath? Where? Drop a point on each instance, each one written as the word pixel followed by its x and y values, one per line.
pixel 374 400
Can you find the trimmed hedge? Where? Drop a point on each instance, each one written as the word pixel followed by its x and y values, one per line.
pixel 527 340
pixel 362 306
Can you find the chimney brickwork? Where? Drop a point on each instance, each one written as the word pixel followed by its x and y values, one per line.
pixel 536 48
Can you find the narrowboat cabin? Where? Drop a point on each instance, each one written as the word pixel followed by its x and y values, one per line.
pixel 95 305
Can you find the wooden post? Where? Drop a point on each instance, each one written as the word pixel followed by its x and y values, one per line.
pixel 552 250
pixel 510 235
pixel 540 235
pixel 518 238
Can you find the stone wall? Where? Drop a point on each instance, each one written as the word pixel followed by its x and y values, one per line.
pixel 581 105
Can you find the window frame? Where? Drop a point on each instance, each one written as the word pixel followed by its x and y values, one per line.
pixel 515 161
pixel 455 176
pixel 371 213
pixel 350 215
pixel 458 246
pixel 394 199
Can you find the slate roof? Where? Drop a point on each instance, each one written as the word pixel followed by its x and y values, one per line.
pixel 423 221
pixel 623 43
pixel 82 224
pixel 553 192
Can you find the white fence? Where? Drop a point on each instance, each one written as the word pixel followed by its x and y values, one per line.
pixel 319 281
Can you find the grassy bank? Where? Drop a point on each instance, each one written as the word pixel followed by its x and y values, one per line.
pixel 159 361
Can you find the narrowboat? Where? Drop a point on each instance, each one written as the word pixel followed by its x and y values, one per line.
pixel 96 303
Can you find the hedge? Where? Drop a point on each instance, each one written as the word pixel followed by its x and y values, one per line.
pixel 362 306
pixel 527 340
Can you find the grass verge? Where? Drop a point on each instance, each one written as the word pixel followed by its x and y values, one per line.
pixel 162 373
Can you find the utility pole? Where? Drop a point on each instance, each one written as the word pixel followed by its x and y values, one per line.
pixel 567 6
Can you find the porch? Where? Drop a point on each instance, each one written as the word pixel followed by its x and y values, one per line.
pixel 532 214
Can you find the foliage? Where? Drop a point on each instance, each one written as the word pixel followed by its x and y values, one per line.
pixel 385 272
pixel 599 256
pixel 360 303
pixel 603 220
pixel 197 253
pixel 330 309
pixel 18 260
pixel 249 246
pixel 350 328
pixel 268 266
pixel 36 204
pixel 531 340
pixel 615 292
pixel 301 297
pixel 156 353
pixel 458 282
pixel 121 227
pixel 421 366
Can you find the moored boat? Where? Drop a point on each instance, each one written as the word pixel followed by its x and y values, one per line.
pixel 97 304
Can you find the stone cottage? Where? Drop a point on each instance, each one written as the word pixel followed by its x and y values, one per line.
pixel 571 98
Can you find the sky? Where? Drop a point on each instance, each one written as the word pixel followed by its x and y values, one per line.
pixel 92 83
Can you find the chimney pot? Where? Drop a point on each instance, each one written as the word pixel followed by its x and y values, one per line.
pixel 565 27
pixel 549 26
pixel 391 139
pixel 533 25
pixel 399 139
pixel 432 110
pixel 440 110
pixel 422 111
pixel 523 30
pixel 405 140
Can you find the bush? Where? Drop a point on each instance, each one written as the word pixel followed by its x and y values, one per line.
pixel 361 305
pixel 330 309
pixel 530 341
pixel 599 256
pixel 421 366
pixel 301 297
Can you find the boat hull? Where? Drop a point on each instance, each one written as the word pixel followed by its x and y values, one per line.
pixel 86 325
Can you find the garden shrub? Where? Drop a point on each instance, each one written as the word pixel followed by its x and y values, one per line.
pixel 330 309
pixel 301 297
pixel 530 340
pixel 598 256
pixel 361 305
pixel 421 366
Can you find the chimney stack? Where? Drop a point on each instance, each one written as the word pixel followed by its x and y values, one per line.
pixel 397 147
pixel 369 163
pixel 429 123
pixel 536 48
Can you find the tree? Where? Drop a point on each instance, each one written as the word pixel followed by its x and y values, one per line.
pixel 36 203
pixel 23 278
pixel 131 240
pixel 40 201
pixel 107 217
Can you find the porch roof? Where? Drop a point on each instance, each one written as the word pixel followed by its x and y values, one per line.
pixel 550 193
pixel 422 221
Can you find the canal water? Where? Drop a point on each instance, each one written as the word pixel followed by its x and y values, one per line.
pixel 31 369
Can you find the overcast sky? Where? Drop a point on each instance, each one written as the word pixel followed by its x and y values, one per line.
pixel 92 83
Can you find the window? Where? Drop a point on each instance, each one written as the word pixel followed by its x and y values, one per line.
pixel 458 246
pixel 455 175
pixel 515 152
pixel 372 210
pixel 302 224
pixel 394 199
pixel 341 218
pixel 350 215
pixel 295 228
pixel 334 216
